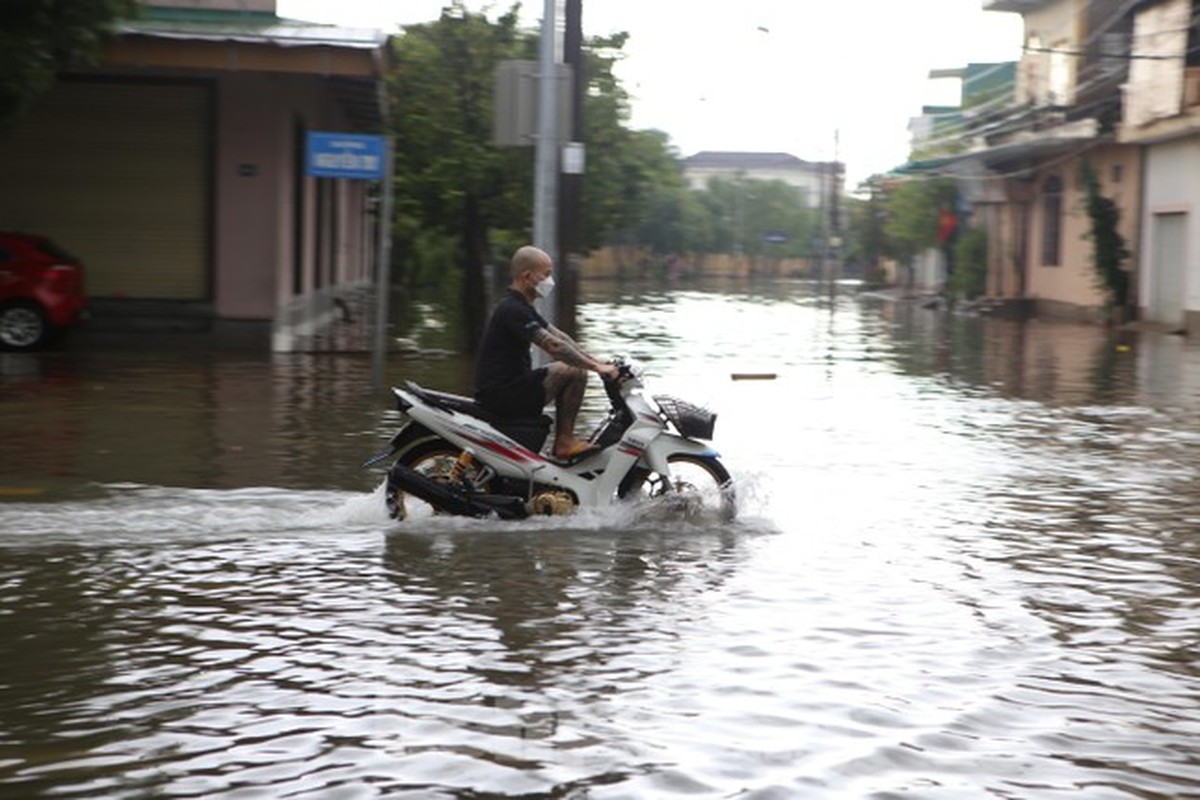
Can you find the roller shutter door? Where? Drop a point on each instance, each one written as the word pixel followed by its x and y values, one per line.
pixel 117 173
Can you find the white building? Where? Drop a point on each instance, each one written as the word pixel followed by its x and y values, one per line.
pixel 816 179
pixel 1162 113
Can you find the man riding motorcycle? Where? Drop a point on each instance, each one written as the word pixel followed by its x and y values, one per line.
pixel 506 384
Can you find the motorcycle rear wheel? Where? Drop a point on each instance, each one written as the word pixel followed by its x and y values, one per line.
pixel 434 458
pixel 698 487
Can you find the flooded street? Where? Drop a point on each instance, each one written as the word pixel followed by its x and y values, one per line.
pixel 966 564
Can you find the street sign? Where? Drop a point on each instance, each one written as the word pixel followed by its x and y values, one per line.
pixel 344 155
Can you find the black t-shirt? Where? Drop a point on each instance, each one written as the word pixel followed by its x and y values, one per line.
pixel 504 352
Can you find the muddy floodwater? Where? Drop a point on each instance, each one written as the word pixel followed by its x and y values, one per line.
pixel 966 565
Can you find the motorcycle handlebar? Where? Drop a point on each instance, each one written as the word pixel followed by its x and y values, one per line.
pixel 612 387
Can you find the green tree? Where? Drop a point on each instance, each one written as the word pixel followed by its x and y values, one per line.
pixel 1108 245
pixel 777 209
pixel 865 237
pixel 742 214
pixel 451 181
pixel 629 172
pixel 664 225
pixel 39 38
pixel 912 213
pixel 634 176
pixel 458 195
pixel 970 256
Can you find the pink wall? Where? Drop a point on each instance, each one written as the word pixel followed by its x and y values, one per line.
pixel 1073 281
pixel 250 161
pixel 254 192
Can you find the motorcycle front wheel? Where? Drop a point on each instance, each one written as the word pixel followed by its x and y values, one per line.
pixel 433 458
pixel 698 487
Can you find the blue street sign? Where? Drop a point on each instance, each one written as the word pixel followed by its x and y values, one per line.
pixel 344 155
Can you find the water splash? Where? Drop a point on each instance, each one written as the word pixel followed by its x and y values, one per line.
pixel 124 511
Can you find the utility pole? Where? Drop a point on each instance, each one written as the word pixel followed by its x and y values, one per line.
pixel 821 243
pixel 545 180
pixel 835 228
pixel 545 190
pixel 545 176
pixel 571 181
pixel 739 215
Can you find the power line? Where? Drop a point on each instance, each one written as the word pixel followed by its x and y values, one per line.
pixel 1089 77
pixel 1126 56
pixel 1002 111
pixel 941 172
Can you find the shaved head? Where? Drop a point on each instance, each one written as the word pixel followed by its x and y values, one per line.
pixel 527 258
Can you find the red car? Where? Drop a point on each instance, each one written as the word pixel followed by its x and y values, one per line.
pixel 41 291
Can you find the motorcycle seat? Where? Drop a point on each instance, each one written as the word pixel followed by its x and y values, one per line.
pixel 468 405
pixel 448 401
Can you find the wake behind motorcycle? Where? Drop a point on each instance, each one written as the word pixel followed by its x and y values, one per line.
pixel 459 459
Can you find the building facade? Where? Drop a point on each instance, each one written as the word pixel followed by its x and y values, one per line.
pixel 1022 165
pixel 1161 115
pixel 175 169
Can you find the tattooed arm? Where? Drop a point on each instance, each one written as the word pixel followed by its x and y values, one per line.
pixel 562 347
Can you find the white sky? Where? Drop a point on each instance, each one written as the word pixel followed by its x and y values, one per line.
pixel 789 76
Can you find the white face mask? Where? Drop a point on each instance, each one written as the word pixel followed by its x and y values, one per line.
pixel 544 288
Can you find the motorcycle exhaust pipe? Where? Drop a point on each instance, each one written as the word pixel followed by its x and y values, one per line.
pixel 449 500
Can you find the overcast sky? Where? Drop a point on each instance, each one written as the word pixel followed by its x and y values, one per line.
pixel 815 79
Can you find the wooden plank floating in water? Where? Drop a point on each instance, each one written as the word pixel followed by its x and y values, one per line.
pixel 20 491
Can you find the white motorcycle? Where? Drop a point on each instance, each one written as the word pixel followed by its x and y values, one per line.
pixel 462 460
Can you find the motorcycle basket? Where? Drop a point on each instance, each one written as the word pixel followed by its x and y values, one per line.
pixel 692 421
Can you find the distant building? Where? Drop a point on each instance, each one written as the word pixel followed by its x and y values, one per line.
pixel 927 131
pixel 985 95
pixel 815 179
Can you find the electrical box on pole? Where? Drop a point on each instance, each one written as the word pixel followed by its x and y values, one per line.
pixel 515 119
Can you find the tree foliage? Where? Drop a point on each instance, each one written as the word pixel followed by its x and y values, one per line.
pixel 39 38
pixel 460 196
pixel 452 185
pixel 912 212
pixel 462 201
pixel 776 221
pixel 630 173
pixel 865 236
pixel 970 255
pixel 755 217
pixel 1108 245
